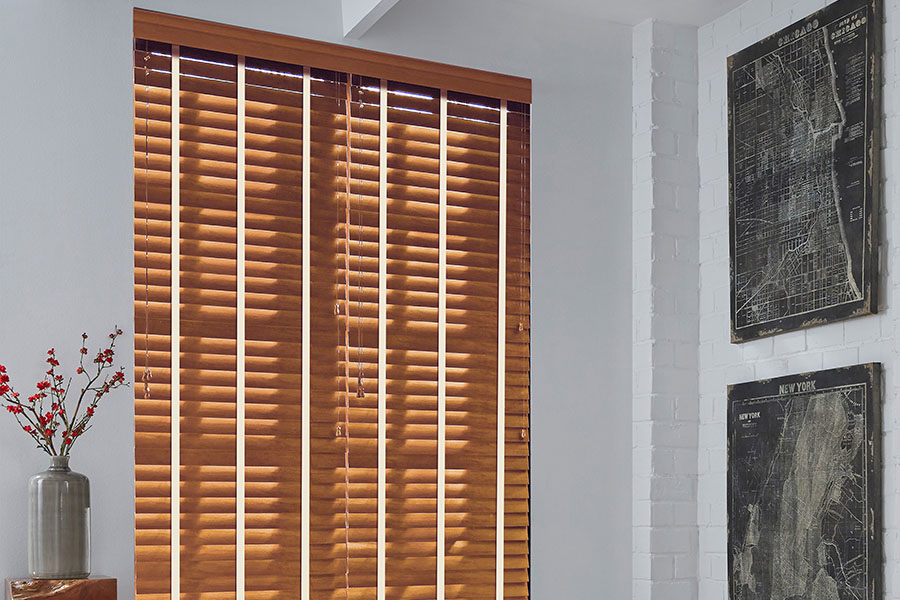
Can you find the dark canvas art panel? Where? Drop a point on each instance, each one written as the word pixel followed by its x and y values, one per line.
pixel 804 486
pixel 803 125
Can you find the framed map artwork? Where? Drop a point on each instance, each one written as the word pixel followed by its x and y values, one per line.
pixel 804 487
pixel 804 122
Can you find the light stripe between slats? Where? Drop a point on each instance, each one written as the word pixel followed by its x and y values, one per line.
pixel 241 325
pixel 382 338
pixel 501 356
pixel 442 358
pixel 305 350
pixel 175 523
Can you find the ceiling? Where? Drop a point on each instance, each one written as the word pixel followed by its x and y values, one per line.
pixel 631 12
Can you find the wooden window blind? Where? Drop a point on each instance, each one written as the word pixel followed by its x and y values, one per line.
pixel 332 300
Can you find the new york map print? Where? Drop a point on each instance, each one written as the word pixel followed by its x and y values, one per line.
pixel 804 488
pixel 802 137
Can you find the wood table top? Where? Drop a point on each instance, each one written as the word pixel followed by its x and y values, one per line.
pixel 94 588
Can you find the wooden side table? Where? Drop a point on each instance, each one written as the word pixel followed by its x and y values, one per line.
pixel 95 588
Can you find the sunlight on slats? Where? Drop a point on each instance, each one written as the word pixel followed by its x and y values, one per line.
pixel 429 282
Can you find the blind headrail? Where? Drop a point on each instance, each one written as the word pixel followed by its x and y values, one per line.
pixel 173 29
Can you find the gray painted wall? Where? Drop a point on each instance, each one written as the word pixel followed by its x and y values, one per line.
pixel 66 266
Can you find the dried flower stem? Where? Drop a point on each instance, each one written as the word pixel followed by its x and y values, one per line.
pixel 43 426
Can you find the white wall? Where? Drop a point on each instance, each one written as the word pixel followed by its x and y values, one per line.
pixel 664 311
pixel 868 339
pixel 66 266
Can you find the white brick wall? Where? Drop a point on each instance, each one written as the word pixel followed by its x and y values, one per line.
pixel 665 305
pixel 867 339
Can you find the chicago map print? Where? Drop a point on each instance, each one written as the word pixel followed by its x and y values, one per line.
pixel 803 110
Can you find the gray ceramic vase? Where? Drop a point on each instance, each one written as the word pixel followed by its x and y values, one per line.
pixel 59 523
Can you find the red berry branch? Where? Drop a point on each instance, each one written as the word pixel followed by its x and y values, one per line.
pixel 43 415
